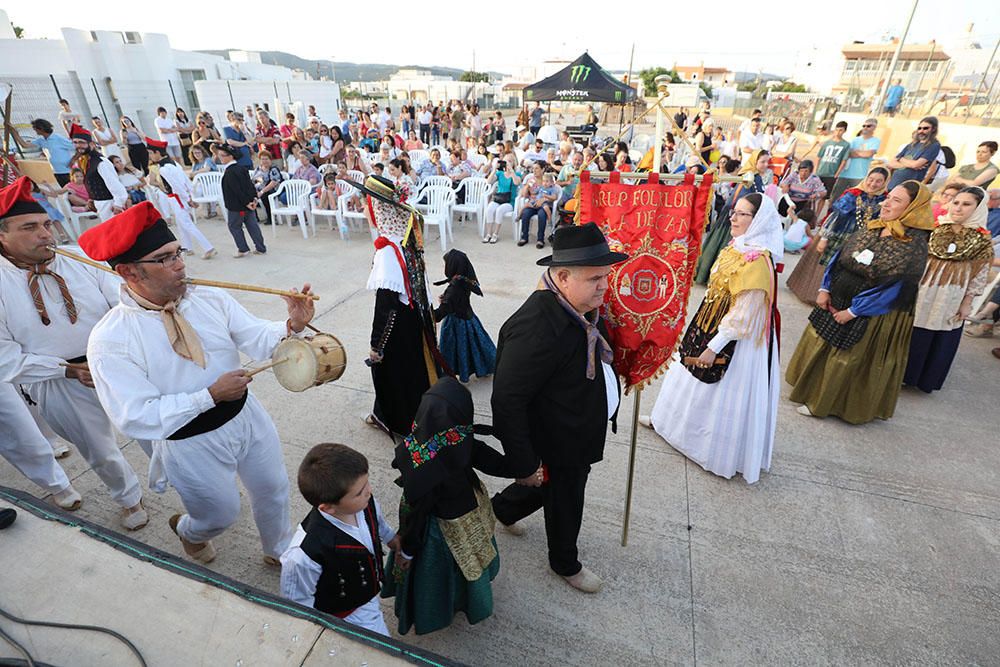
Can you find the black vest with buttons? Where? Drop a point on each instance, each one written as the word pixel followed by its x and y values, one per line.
pixel 94 181
pixel 351 574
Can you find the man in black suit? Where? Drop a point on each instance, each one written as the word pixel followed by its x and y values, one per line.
pixel 240 197
pixel 553 394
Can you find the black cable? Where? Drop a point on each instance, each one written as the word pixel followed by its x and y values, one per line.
pixel 17 647
pixel 67 626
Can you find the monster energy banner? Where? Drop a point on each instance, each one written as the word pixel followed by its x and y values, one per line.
pixel 582 81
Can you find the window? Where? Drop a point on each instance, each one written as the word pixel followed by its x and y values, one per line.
pixel 132 38
pixel 932 67
pixel 904 66
pixel 849 66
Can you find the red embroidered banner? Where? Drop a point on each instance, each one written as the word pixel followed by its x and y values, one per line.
pixel 660 228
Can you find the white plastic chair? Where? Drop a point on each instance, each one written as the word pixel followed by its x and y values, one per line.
pixel 475 199
pixel 477 159
pixel 345 215
pixel 208 190
pixel 516 217
pixel 297 193
pixel 74 218
pixel 417 156
pixel 323 168
pixel 331 214
pixel 440 201
pixel 356 175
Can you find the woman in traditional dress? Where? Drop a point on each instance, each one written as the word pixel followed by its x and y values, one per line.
pixel 757 176
pixel 852 211
pixel 726 424
pixel 850 360
pixel 958 265
pixel 403 346
pixel 446 522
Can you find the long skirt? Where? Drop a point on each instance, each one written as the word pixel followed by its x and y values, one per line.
pixel 433 590
pixel 807 276
pixel 401 379
pixel 857 384
pixel 467 347
pixel 931 355
pixel 718 237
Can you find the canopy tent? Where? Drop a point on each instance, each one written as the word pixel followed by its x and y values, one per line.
pixel 583 80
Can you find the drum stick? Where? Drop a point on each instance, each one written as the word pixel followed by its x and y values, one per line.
pixel 192 281
pixel 693 361
pixel 266 366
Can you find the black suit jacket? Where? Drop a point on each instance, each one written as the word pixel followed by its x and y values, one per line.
pixel 237 188
pixel 544 407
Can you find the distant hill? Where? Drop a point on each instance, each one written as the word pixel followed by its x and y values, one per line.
pixel 345 71
pixel 742 77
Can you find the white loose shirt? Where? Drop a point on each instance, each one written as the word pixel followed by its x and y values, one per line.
pixel 107 171
pixel 300 573
pixel 425 117
pixel 750 141
pixel 30 351
pixel 178 182
pixel 147 389
pixel 172 138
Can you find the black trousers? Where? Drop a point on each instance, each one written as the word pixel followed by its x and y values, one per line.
pixel 62 179
pixel 425 134
pixel 562 498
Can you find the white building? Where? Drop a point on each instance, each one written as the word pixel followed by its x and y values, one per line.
pixel 112 73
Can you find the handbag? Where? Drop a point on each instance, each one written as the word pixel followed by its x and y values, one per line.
pixel 501 197
pixel 695 342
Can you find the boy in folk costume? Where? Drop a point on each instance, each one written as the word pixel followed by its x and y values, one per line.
pixel 48 307
pixel 166 363
pixel 334 561
pixel 180 197
pixel 106 190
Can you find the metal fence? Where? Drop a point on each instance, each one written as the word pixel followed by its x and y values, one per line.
pixel 807 115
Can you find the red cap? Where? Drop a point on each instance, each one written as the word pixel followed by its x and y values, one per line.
pixel 77 132
pixel 16 199
pixel 128 236
pixel 158 145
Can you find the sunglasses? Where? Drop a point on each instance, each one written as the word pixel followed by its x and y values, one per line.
pixel 925 127
pixel 867 125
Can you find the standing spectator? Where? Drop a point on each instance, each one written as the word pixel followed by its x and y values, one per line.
pixel 266 179
pixel 287 132
pixel 167 129
pixel 475 127
pixel 67 117
pixel 241 201
pixel 757 115
pixel 105 139
pixel 751 139
pixel 681 118
pixel 833 158
pixel 783 150
pixel 535 119
pixel 135 143
pixel 982 173
pixel 893 96
pixel 863 150
pixel 345 125
pixel 268 136
pixel 237 138
pixel 425 119
pixel 457 123
pixel 57 148
pixel 185 127
pixel 385 120
pixel 913 161
pixel 523 119
pixel 436 120
pixel 499 126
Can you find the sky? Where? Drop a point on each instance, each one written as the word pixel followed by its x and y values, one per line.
pixel 730 34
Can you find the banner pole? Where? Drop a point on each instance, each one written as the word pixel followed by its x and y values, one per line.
pixel 631 466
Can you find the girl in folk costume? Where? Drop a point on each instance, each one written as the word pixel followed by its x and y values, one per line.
pixel 757 177
pixel 465 344
pixel 850 360
pixel 852 211
pixel 959 254
pixel 403 343
pixel 448 555
pixel 719 406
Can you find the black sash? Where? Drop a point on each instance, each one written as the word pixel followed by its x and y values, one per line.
pixel 210 420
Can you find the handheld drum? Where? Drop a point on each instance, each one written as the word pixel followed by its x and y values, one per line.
pixel 301 363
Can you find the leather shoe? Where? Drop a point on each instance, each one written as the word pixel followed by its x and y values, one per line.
pixel 585 581
pixel 517 528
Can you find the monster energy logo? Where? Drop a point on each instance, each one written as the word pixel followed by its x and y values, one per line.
pixel 618 95
pixel 579 74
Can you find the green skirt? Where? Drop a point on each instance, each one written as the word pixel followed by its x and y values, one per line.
pixel 718 238
pixel 857 384
pixel 433 590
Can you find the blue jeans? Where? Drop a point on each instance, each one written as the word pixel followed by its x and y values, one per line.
pixel 435 134
pixel 237 220
pixel 526 214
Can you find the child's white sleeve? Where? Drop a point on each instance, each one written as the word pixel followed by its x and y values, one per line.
pixel 299 576
pixel 385 531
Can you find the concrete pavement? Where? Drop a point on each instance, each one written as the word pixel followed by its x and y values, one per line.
pixel 871 544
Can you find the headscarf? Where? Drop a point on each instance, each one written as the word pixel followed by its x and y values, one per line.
pixel 765 232
pixel 751 166
pixel 458 268
pixel 978 217
pixel 916 216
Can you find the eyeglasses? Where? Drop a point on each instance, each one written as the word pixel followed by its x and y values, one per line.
pixel 167 262
pixel 734 214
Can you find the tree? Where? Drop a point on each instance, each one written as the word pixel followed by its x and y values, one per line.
pixel 649 75
pixel 790 87
pixel 18 30
pixel 748 86
pixel 470 76
pixel 707 89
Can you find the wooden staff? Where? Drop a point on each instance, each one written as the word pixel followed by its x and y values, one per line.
pixel 194 281
pixel 266 367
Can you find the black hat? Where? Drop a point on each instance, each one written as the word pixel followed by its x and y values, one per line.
pixel 379 187
pixel 226 148
pixel 581 245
